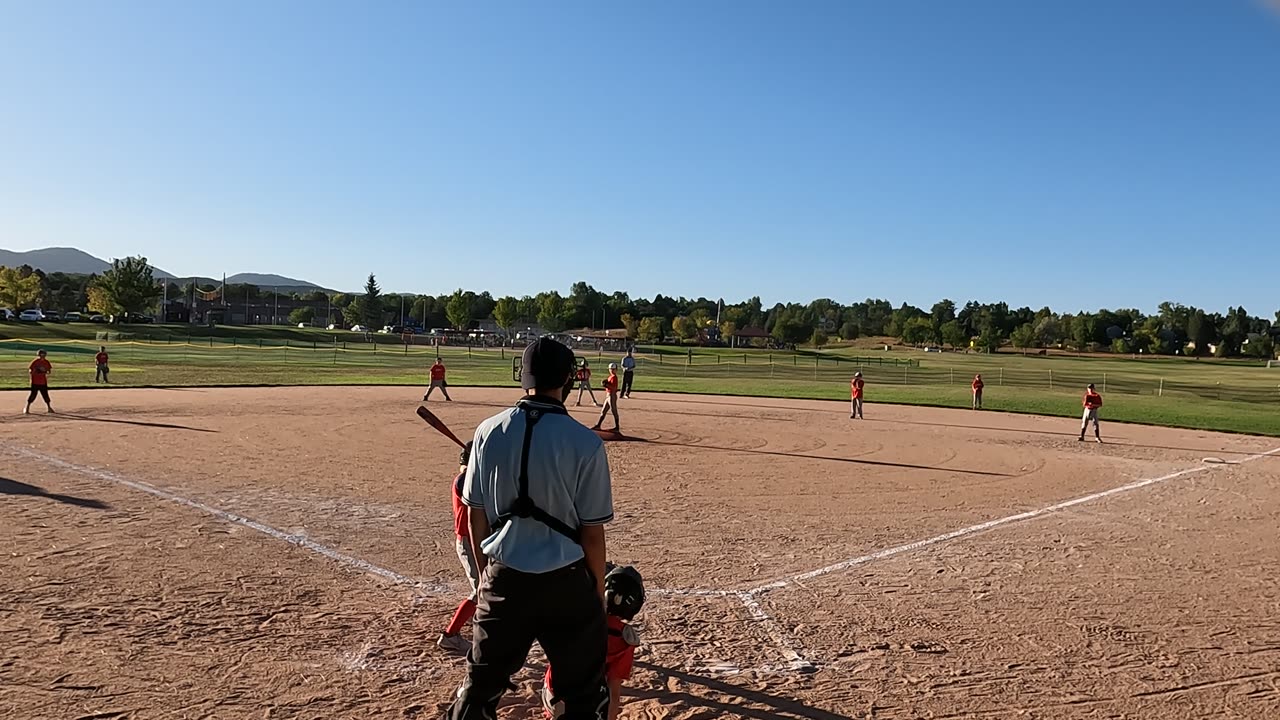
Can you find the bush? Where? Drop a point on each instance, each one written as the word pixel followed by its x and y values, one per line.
pixel 1121 346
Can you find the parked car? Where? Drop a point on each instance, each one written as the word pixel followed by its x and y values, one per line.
pixel 97 318
pixel 136 319
pixel 52 316
pixel 30 316
pixel 359 329
pixel 73 317
pixel 6 315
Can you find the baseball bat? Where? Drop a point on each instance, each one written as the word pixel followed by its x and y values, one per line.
pixel 439 425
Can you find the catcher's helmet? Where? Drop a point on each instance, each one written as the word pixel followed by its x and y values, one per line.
pixel 624 591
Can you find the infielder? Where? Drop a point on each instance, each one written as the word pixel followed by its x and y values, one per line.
pixel 103 370
pixel 39 369
pixel 855 396
pixel 610 386
pixel 1092 401
pixel 437 381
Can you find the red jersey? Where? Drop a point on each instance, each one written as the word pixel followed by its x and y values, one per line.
pixel 39 369
pixel 618 657
pixel 978 384
pixel 611 384
pixel 437 372
pixel 855 388
pixel 1092 400
pixel 584 374
pixel 460 526
pixel 101 358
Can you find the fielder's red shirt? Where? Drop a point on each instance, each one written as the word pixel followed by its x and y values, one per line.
pixel 611 384
pixel 39 369
pixel 437 372
pixel 460 526
pixel 855 388
pixel 978 384
pixel 1092 400
pixel 101 358
pixel 619 656
pixel 584 374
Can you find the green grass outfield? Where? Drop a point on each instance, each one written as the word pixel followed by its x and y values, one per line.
pixel 1211 395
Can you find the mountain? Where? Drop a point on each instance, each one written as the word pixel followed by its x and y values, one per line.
pixel 78 262
pixel 64 260
pixel 268 280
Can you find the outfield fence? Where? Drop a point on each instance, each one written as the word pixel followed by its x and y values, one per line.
pixel 494 365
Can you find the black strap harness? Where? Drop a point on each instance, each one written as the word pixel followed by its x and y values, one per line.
pixel 524 506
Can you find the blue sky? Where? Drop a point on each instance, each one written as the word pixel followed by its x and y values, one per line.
pixel 1078 153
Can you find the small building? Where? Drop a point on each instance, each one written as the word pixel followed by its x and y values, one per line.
pixel 751 337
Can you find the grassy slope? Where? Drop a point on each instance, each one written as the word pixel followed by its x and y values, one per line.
pixel 1131 398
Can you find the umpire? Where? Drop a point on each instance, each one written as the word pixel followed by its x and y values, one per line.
pixel 539 495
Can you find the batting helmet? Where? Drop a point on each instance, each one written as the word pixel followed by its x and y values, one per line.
pixel 624 592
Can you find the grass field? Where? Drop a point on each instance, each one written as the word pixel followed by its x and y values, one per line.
pixel 1209 394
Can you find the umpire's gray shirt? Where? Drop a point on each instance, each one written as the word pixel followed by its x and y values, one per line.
pixel 568 478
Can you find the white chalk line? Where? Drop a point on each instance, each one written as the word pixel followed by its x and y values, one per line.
pixel 795 662
pixel 980 527
pixel 291 538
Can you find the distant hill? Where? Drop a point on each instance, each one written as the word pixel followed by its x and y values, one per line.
pixel 78 262
pixel 268 280
pixel 63 260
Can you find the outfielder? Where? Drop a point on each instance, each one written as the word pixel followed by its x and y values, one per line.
pixel 103 369
pixel 977 391
pixel 1092 402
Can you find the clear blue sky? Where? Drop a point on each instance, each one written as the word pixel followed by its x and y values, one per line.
pixel 1076 153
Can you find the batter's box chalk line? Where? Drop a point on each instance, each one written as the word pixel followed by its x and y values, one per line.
pixel 793 661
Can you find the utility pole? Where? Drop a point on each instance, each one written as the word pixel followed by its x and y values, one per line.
pixel 275 316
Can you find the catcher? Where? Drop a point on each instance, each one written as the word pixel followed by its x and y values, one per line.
pixel 624 597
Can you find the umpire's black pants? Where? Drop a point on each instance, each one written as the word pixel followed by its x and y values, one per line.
pixel 560 610
pixel 627 376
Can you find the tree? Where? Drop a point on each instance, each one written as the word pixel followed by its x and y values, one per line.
pixel 849 331
pixel 651 328
pixel 684 327
pixel 16 291
pixel 1023 336
pixel 506 312
pixel 302 316
pixel 632 326
pixel 371 304
pixel 458 309
pixel 1048 331
pixel 954 335
pixel 551 311
pixel 990 339
pixel 917 331
pixel 818 339
pixel 127 287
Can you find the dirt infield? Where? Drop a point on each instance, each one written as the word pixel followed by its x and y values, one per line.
pixel 288 553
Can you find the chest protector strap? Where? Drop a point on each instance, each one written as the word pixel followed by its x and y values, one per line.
pixel 524 506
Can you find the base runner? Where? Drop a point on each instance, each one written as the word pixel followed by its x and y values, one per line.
pixel 855 396
pixel 1092 401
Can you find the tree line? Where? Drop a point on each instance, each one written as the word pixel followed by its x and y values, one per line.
pixel 128 286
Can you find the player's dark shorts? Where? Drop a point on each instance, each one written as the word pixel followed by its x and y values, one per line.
pixel 41 390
